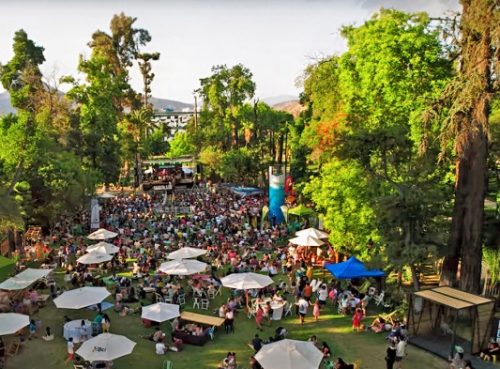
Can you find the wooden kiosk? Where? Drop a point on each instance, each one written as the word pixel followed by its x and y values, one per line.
pixel 442 317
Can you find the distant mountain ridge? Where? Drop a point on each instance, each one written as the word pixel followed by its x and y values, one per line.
pixel 282 102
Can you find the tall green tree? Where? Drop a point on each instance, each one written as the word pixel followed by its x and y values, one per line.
pixel 38 164
pixel 224 94
pixel 365 110
pixel 107 94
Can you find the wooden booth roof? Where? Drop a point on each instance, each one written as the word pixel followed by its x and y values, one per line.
pixel 453 298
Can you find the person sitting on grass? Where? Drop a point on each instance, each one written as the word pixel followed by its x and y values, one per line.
pixel 229 361
pixel 254 364
pixel 325 349
pixel 341 364
pixel 378 325
pixel 156 336
pixel 256 343
pixel 160 348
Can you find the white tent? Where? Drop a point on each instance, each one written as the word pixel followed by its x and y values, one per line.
pixel 182 267
pixel 102 234
pixel 312 232
pixel 24 279
pixel 11 322
pixel 106 195
pixel 186 253
pixel 81 297
pixel 246 281
pixel 104 248
pixel 289 354
pixel 306 241
pixel 94 257
pixel 160 312
pixel 105 347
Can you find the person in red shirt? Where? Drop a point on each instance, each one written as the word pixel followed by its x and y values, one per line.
pixel 307 292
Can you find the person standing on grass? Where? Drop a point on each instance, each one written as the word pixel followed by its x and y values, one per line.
pixel 400 352
pixel 71 351
pixel 229 321
pixel 390 355
pixel 316 310
pixel 32 329
pixel 303 306
pixel 356 319
pixel 259 316
pixel 308 291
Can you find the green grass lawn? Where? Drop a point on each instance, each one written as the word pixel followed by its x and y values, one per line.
pixel 332 328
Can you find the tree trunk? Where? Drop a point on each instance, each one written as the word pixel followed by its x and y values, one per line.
pixel 234 134
pixel 471 119
pixel 468 212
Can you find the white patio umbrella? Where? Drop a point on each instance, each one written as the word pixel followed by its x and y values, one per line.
pixel 182 267
pixel 289 354
pixel 186 253
pixel 246 281
pixel 81 297
pixel 306 241
pixel 105 347
pixel 102 234
pixel 160 312
pixel 312 232
pixel 11 322
pixel 107 195
pixel 104 248
pixel 94 257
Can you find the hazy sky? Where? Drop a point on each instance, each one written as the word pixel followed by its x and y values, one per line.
pixel 276 39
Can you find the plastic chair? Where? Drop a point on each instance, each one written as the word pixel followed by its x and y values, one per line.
pixel 289 310
pixel 218 292
pixel 205 304
pixel 167 364
pixel 181 299
pixel 379 299
pixel 196 302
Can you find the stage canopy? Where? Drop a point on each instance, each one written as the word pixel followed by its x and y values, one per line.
pixel 24 279
pixel 352 268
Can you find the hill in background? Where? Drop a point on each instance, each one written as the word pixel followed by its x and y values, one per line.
pixel 286 103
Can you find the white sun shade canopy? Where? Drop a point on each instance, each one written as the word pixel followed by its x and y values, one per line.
pixel 105 347
pixel 102 234
pixel 10 323
pixel 186 253
pixel 94 258
pixel 182 267
pixel 312 232
pixel 24 279
pixel 81 297
pixel 104 248
pixel 160 312
pixel 246 281
pixel 306 241
pixel 289 354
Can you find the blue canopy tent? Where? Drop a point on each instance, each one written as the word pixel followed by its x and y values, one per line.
pixel 246 191
pixel 352 268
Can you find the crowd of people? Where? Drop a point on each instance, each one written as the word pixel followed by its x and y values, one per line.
pixel 230 229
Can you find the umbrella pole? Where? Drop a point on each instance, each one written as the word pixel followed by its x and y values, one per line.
pixel 247 301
